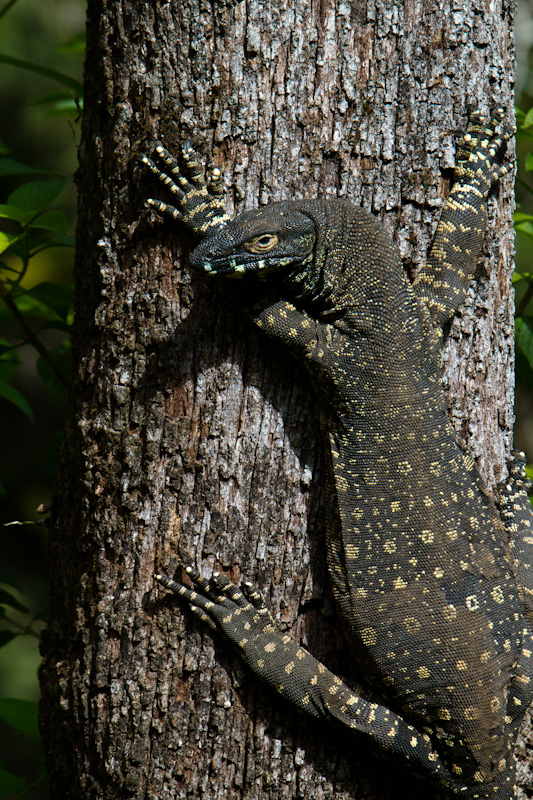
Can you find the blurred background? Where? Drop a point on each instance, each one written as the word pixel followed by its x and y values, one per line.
pixel 39 127
pixel 523 438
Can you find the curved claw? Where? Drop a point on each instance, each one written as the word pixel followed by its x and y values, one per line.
pixel 216 182
pixel 193 164
pixel 254 596
pixel 197 579
pixel 199 207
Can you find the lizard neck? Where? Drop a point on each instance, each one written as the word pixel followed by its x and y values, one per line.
pixel 355 276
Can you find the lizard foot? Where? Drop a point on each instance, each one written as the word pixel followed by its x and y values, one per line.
pixel 478 150
pixel 222 605
pixel 200 205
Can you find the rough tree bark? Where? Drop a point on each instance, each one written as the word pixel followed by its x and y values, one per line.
pixel 192 438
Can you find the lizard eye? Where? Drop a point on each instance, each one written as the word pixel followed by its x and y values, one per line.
pixel 261 244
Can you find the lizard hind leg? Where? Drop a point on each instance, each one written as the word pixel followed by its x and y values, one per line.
pixel 216 600
pixel 240 614
pixel 517 517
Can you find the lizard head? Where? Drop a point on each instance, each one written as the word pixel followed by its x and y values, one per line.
pixel 276 238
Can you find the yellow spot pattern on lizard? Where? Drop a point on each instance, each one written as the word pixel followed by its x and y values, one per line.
pixel 434 603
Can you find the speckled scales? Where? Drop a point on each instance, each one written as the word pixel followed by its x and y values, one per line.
pixel 435 602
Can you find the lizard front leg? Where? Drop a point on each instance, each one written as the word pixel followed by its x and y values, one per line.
pixel 444 280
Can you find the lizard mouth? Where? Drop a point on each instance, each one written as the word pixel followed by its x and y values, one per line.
pixel 237 266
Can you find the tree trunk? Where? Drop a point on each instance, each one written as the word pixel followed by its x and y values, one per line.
pixel 191 438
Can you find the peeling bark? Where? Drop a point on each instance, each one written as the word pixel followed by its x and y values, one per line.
pixel 190 437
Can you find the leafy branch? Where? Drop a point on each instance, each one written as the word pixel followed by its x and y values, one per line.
pixel 30 228
pixel 523 281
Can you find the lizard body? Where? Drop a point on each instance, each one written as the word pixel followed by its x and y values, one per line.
pixel 435 603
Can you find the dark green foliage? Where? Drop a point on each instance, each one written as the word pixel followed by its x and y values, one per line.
pixel 21 715
pixel 34 314
pixel 523 281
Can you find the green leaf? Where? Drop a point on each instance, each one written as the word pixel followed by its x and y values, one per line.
pixel 6 578
pixel 50 458
pixel 8 166
pixel 5 268
pixel 65 108
pixel 15 213
pixel 523 134
pixel 7 599
pixel 36 195
pixel 524 124
pixel 529 162
pixel 56 325
pixel 15 397
pixel 9 363
pixel 9 783
pixel 54 296
pixel 21 714
pixel 524 373
pixel 524 337
pixel 525 228
pixel 52 97
pixel 28 305
pixel 528 121
pixel 60 104
pixel 7 239
pixel 54 221
pixel 56 241
pixel 518 277
pixel 60 77
pixel 519 216
pixel 6 637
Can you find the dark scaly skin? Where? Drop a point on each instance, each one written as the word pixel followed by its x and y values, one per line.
pixel 435 604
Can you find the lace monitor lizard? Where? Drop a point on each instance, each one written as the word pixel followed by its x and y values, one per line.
pixel 435 601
